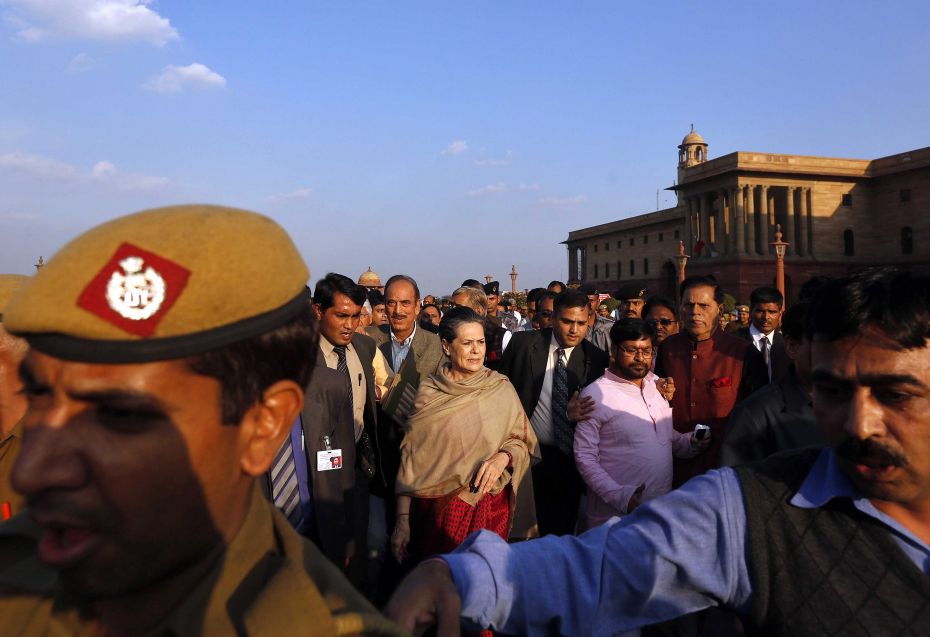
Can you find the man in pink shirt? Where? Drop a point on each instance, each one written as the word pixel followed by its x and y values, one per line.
pixel 624 447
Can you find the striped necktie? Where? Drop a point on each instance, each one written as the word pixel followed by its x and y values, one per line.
pixel 284 489
pixel 343 367
pixel 562 428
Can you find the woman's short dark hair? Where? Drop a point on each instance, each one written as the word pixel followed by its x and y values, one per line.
pixel 708 280
pixel 569 299
pixel 247 368
pixel 660 301
pixel 454 319
pixel 894 302
pixel 326 288
pixel 631 329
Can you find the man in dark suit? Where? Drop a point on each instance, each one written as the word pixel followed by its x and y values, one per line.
pixel 766 305
pixel 546 368
pixel 780 416
pixel 337 304
pixel 327 412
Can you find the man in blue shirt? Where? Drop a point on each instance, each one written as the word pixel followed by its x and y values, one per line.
pixel 831 541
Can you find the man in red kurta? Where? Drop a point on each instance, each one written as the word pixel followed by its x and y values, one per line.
pixel 712 371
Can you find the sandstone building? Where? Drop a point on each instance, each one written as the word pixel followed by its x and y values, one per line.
pixel 836 214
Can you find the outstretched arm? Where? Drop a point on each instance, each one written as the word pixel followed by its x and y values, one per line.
pixel 675 555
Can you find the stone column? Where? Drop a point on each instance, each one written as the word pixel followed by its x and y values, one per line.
pixel 803 223
pixel 689 226
pixel 763 214
pixel 704 207
pixel 809 202
pixel 722 229
pixel 789 223
pixel 736 207
pixel 750 220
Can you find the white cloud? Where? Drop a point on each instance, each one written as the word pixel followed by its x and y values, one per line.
pixel 37 165
pixel 457 147
pixel 173 79
pixel 107 172
pixel 81 63
pixel 128 20
pixel 103 172
pixel 300 193
pixel 501 187
pixel 563 201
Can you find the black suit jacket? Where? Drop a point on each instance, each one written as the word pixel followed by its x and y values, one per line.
pixel 524 363
pixel 777 353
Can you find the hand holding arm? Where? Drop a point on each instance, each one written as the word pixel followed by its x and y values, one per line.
pixel 580 408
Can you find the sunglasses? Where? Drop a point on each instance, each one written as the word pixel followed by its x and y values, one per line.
pixel 663 322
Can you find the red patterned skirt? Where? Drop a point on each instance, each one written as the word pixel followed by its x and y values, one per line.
pixel 439 525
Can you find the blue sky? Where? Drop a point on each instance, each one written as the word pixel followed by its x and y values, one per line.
pixel 443 140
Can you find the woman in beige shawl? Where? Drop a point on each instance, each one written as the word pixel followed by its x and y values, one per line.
pixel 467 446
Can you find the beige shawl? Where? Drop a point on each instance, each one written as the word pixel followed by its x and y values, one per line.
pixel 454 427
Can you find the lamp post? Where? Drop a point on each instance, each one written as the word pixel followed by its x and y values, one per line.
pixel 780 247
pixel 513 279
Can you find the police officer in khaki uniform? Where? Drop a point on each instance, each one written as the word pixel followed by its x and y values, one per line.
pixel 169 350
pixel 12 403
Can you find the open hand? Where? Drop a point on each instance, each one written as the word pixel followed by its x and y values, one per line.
pixel 580 408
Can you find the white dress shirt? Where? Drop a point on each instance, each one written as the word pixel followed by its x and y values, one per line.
pixel 542 415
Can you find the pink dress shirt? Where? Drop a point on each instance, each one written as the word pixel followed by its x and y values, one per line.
pixel 626 442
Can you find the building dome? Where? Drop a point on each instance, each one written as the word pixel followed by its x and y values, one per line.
pixel 369 279
pixel 692 138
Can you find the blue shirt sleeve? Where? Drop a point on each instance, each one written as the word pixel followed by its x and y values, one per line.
pixel 676 554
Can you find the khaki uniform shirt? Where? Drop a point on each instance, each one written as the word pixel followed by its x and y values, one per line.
pixel 9 450
pixel 286 586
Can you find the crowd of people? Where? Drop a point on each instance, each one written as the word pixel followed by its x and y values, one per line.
pixel 205 445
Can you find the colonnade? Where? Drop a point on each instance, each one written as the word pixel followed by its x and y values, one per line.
pixel 741 220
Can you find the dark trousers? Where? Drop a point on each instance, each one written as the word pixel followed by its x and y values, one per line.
pixel 557 489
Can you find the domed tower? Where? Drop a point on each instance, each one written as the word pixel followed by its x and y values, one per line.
pixel 692 151
pixel 369 279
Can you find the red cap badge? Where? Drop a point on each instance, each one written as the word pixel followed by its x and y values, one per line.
pixel 134 290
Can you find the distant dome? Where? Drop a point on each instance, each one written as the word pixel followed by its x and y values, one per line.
pixel 369 279
pixel 692 138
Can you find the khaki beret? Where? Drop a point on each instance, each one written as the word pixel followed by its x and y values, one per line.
pixel 9 285
pixel 742 308
pixel 162 284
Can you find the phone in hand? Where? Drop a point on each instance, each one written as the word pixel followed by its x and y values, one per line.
pixel 701 431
